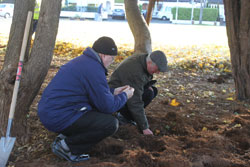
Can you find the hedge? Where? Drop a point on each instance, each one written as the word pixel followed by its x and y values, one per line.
pixel 119 1
pixel 69 8
pixel 209 14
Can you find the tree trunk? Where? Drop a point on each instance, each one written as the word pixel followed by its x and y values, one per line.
pixel 238 32
pixel 8 72
pixel 36 64
pixel 138 27
pixel 151 6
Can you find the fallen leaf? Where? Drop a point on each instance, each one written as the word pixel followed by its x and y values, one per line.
pixel 204 129
pixel 226 121
pixel 157 132
pixel 230 98
pixel 210 103
pixel 174 103
pixel 237 126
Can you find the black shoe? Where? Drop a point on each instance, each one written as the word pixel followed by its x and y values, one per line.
pixel 124 121
pixel 58 150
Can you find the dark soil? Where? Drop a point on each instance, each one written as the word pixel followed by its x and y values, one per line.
pixel 205 130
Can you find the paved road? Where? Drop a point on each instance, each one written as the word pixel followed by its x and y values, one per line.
pixel 162 33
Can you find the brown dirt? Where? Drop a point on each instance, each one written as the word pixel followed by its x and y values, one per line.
pixel 205 130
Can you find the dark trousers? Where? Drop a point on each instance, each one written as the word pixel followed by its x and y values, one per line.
pixel 34 26
pixel 147 96
pixel 88 130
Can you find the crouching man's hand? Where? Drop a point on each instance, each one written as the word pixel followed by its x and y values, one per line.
pixel 120 89
pixel 147 132
pixel 129 91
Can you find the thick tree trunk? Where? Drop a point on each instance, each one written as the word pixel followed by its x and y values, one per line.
pixel 36 64
pixel 8 72
pixel 138 27
pixel 238 32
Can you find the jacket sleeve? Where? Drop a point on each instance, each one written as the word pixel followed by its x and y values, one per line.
pixel 135 103
pixel 100 95
pixel 112 90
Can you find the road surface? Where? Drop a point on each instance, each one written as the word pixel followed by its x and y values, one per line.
pixel 84 32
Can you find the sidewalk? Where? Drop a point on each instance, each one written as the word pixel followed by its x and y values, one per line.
pixel 212 23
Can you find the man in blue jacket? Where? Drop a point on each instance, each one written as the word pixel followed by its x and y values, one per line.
pixel 78 102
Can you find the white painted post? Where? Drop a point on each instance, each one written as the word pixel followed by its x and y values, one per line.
pixel 192 13
pixel 176 14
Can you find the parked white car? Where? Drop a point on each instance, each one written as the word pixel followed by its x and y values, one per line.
pixel 164 13
pixel 6 10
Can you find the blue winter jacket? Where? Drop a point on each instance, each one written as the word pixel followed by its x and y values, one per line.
pixel 79 86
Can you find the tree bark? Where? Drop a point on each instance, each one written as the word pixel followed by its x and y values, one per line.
pixel 238 32
pixel 8 72
pixel 138 27
pixel 149 10
pixel 36 63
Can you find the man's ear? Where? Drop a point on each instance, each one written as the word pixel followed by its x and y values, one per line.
pixel 149 63
pixel 101 55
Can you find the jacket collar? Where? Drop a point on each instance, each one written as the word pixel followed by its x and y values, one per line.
pixel 94 55
pixel 143 61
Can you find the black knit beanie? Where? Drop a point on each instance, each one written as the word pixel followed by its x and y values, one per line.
pixel 105 45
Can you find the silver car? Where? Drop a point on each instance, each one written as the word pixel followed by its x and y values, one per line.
pixel 118 13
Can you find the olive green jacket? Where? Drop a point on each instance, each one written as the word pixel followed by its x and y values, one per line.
pixel 133 72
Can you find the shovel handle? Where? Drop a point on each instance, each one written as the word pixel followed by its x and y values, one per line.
pixel 20 65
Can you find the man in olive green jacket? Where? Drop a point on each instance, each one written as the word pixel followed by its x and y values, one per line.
pixel 137 71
